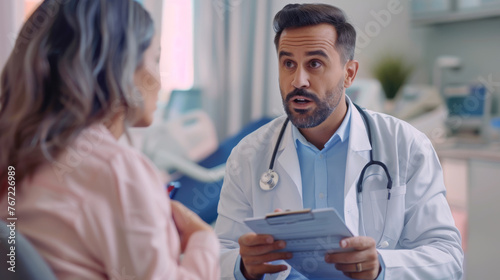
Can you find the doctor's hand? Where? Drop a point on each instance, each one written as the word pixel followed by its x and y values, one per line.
pixel 362 263
pixel 256 250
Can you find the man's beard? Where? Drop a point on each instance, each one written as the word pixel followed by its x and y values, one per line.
pixel 313 118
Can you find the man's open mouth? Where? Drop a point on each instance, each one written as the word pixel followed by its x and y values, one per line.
pixel 301 100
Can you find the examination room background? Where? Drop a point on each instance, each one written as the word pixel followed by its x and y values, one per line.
pixel 234 65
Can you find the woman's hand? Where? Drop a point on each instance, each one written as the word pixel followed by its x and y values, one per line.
pixel 187 222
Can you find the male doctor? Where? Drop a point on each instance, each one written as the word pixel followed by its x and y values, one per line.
pixel 319 161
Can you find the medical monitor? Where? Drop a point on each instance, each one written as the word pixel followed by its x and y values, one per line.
pixel 181 102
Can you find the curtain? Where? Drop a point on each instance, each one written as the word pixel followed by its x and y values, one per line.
pixel 235 62
pixel 11 19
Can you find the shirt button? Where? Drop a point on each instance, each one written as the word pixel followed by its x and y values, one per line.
pixel 321 195
pixel 321 156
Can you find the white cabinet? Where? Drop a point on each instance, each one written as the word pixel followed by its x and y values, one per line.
pixel 484 219
pixel 426 12
pixel 472 179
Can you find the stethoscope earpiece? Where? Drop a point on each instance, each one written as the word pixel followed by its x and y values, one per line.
pixel 268 180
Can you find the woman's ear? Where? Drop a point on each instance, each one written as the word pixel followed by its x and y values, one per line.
pixel 351 69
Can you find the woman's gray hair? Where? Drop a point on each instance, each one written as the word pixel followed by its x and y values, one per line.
pixel 73 65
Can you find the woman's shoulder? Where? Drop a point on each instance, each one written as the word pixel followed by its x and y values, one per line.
pixel 97 142
pixel 96 148
pixel 97 161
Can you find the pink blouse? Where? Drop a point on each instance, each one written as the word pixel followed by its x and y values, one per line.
pixel 101 212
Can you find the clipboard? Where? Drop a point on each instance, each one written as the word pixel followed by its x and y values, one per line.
pixel 309 234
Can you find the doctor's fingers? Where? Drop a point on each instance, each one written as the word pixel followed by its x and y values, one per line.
pixel 358 242
pixel 360 270
pixel 354 257
pixel 261 259
pixel 261 249
pixel 253 239
pixel 262 269
pixel 366 267
pixel 365 275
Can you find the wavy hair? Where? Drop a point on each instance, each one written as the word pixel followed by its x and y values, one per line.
pixel 72 66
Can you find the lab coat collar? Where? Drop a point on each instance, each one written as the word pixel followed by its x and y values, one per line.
pixel 358 143
pixel 288 158
pixel 357 134
pixel 357 157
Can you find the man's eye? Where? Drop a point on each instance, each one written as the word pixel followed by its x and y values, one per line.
pixel 315 64
pixel 289 64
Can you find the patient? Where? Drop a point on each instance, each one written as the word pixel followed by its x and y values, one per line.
pixel 81 72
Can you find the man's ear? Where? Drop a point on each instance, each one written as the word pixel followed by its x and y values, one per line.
pixel 351 69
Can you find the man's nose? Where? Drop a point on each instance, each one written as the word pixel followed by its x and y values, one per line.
pixel 301 78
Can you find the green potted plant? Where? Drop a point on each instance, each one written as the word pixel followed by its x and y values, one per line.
pixel 392 72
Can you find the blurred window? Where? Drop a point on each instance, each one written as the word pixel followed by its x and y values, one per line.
pixel 176 62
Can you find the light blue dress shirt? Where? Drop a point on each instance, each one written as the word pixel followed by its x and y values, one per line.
pixel 323 171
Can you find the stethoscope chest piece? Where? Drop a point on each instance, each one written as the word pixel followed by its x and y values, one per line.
pixel 268 180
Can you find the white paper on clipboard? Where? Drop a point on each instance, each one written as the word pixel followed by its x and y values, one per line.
pixel 309 235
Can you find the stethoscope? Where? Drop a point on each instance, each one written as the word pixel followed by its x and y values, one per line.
pixel 269 179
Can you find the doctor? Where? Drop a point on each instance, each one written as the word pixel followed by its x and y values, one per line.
pixel 396 208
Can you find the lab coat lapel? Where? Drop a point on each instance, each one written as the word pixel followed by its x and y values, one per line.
pixel 357 157
pixel 289 160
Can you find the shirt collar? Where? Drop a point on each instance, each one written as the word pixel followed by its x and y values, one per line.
pixel 342 132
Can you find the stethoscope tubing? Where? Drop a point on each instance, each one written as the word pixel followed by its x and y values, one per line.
pixel 278 141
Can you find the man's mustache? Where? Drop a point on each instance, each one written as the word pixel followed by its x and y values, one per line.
pixel 301 92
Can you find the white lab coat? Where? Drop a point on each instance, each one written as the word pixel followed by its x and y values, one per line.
pixel 420 240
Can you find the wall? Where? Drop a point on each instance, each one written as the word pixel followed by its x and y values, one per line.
pixel 476 43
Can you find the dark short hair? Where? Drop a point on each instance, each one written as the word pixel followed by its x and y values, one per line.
pixel 299 15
